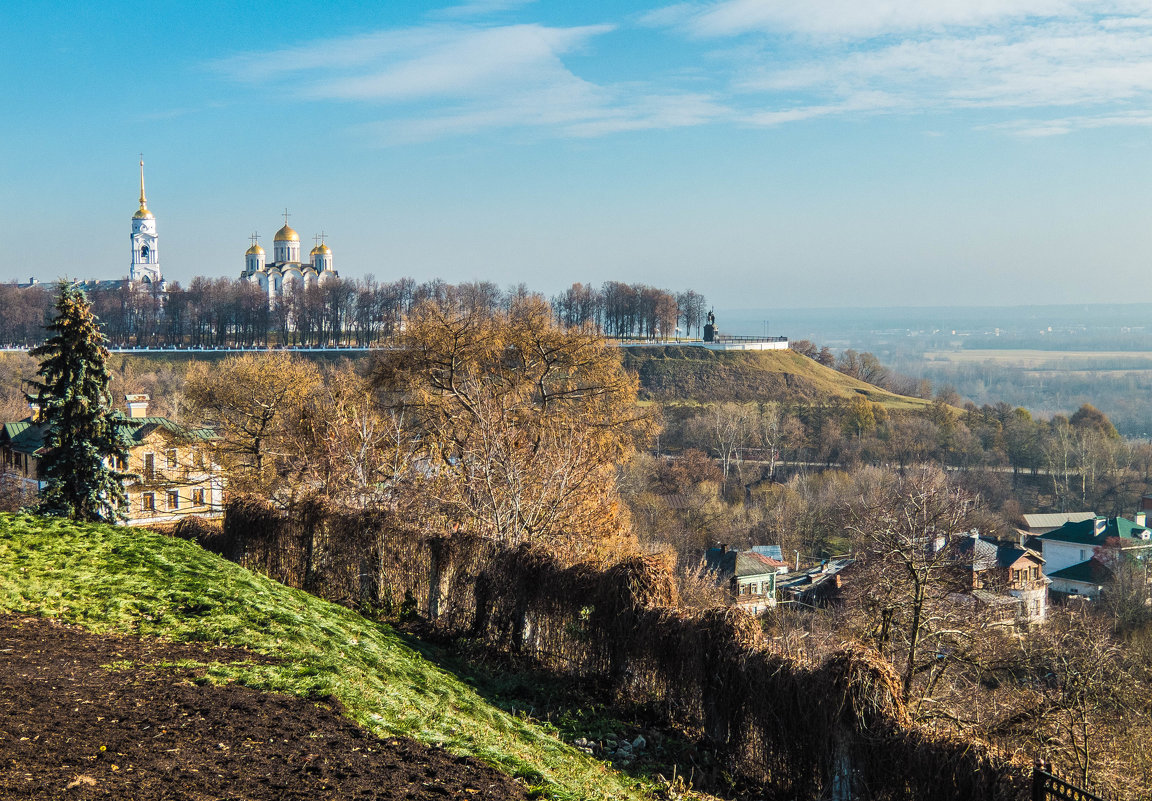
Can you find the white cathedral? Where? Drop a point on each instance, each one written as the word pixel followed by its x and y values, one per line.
pixel 145 269
pixel 286 272
pixel 279 278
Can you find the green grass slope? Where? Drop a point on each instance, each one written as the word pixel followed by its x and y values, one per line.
pixel 131 581
pixel 674 373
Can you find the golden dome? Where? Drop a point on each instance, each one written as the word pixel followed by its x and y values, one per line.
pixel 321 249
pixel 286 234
pixel 142 213
pixel 255 250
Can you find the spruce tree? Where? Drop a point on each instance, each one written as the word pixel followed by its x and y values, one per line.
pixel 84 435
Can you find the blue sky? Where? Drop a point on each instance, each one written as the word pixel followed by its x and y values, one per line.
pixel 767 153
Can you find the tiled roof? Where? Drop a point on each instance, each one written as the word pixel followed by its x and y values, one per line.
pixel 1089 572
pixel 11 430
pixel 983 554
pixel 1008 555
pixel 995 598
pixel 1084 532
pixel 815 584
pixel 26 437
pixel 771 551
pixel 980 554
pixel 143 426
pixel 740 563
pixel 1056 519
pixel 676 500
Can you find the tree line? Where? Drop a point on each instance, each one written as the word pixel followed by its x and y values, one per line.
pixel 1067 462
pixel 364 312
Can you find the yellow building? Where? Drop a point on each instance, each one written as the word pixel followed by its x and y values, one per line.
pixel 170 470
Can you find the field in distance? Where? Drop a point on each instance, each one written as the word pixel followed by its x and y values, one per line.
pixel 1052 359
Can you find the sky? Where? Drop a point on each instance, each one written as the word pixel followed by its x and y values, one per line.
pixel 766 153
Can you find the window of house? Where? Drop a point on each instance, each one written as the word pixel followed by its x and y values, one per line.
pixel 1035 573
pixel 170 458
pixel 173 499
pixel 197 497
pixel 149 465
pixel 121 463
pixel 148 502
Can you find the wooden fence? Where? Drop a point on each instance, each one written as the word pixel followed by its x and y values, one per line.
pixel 837 729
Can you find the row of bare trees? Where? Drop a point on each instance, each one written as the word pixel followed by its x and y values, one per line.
pixel 364 312
pixel 23 314
pixel 631 310
pixel 1076 461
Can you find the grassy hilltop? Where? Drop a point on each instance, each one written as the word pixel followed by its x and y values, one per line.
pixel 675 373
pixel 114 580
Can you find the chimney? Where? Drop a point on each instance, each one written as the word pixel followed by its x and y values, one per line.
pixel 1098 525
pixel 1141 518
pixel 137 406
pixel 723 547
pixel 34 408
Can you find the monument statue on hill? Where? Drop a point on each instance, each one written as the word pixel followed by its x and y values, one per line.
pixel 710 329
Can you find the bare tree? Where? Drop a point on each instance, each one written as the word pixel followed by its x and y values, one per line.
pixel 909 586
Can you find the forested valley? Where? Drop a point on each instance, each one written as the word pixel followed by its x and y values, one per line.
pixel 504 477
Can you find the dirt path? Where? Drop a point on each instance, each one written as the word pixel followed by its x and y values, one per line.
pixel 70 728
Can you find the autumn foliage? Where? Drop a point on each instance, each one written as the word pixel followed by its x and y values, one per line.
pixel 522 423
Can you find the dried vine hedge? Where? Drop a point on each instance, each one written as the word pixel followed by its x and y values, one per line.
pixel 837 729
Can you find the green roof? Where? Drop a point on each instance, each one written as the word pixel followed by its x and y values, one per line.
pixel 1088 572
pixel 1083 532
pixel 28 437
pixel 11 430
pixel 143 426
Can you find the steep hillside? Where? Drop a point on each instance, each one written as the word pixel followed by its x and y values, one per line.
pixel 128 581
pixel 701 375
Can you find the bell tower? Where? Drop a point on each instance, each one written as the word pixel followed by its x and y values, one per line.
pixel 145 267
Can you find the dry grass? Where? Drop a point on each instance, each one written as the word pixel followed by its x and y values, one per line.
pixel 694 374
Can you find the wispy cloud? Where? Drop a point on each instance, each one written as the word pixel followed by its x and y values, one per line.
pixel 745 62
pixel 804 60
pixel 466 63
pixel 441 80
pixel 1065 125
pixel 863 18
pixel 866 102
pixel 478 8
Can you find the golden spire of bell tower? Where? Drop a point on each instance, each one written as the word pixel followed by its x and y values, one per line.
pixel 143 200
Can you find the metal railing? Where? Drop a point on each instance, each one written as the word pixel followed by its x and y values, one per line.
pixel 1047 786
pixel 741 338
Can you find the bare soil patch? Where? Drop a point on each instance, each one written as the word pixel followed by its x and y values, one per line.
pixel 72 727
